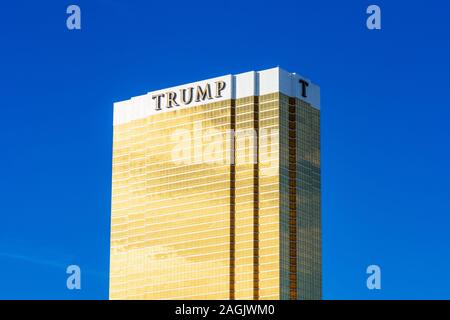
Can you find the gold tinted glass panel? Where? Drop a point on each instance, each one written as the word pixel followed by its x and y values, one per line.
pixel 170 210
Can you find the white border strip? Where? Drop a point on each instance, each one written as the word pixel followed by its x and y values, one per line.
pixel 252 83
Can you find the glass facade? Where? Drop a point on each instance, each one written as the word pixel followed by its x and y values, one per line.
pixel 170 233
pixel 218 201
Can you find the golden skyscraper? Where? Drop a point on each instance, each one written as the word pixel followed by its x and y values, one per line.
pixel 216 190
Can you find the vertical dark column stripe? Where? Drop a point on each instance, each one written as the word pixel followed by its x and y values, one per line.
pixel 232 200
pixel 292 200
pixel 256 204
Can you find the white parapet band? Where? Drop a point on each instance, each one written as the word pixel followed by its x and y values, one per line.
pixel 252 83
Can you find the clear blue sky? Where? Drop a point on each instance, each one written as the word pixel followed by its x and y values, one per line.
pixel 385 128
